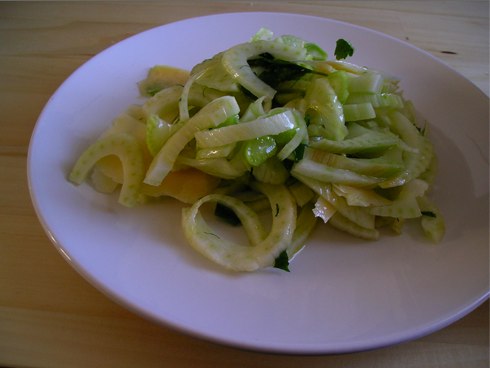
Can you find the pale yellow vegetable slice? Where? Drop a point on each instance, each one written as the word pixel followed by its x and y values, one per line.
pixel 235 61
pixel 186 185
pixel 262 252
pixel 128 150
pixel 209 116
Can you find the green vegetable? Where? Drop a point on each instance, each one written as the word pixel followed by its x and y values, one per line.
pixel 339 81
pixel 282 261
pixel 127 149
pixel 211 115
pixel 326 116
pixel 343 49
pixel 263 250
pixel 284 132
pixel 268 125
pixel 258 150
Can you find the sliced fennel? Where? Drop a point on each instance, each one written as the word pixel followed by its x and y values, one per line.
pixel 268 125
pixel 128 150
pixel 271 124
pixel 211 115
pixel 262 251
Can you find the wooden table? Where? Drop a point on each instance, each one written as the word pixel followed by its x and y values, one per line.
pixel 49 315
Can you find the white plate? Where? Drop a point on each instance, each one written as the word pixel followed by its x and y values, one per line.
pixel 342 294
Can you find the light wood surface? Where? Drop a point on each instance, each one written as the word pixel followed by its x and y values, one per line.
pixel 49 315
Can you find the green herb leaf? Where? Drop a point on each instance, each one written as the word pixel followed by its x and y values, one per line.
pixel 343 49
pixel 299 152
pixel 274 71
pixel 282 261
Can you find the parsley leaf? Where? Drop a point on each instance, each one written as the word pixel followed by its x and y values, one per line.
pixel 282 261
pixel 274 71
pixel 299 152
pixel 343 49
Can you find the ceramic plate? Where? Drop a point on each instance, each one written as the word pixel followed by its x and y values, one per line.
pixel 342 294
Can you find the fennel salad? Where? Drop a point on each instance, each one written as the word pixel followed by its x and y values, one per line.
pixel 271 126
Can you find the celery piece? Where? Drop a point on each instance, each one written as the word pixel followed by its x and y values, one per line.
pixel 359 111
pixel 260 149
pixel 380 100
pixel 339 82
pixel 368 82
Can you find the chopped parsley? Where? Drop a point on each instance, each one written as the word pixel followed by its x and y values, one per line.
pixel 299 152
pixel 274 71
pixel 282 261
pixel 343 49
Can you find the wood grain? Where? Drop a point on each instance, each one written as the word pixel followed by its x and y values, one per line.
pixel 49 315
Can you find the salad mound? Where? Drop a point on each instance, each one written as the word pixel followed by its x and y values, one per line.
pixel 272 124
